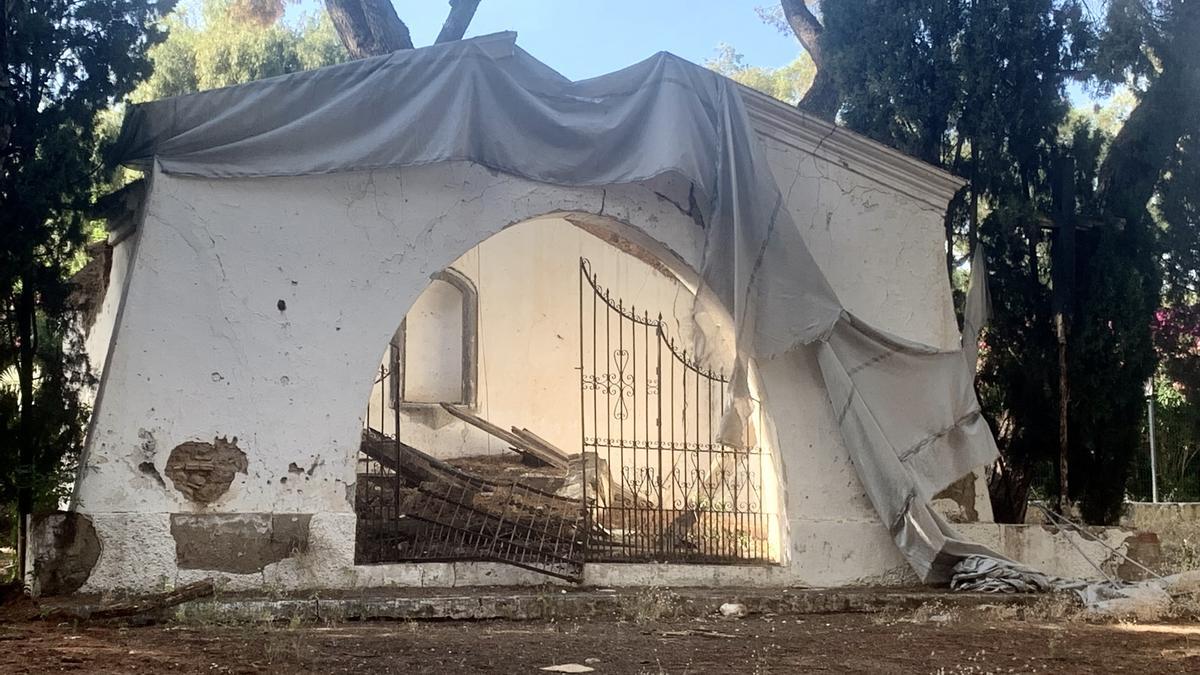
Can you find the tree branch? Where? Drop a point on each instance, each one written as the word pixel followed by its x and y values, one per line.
pixel 806 27
pixel 461 13
pixel 822 98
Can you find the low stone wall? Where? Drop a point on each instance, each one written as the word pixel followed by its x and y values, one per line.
pixel 1177 525
pixel 1068 554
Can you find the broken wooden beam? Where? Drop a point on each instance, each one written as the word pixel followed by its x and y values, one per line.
pixel 518 444
pixel 137 606
pixel 545 450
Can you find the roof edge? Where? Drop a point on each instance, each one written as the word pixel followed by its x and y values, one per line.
pixel 852 151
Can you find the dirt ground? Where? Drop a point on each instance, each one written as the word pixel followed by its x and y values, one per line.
pixel 925 641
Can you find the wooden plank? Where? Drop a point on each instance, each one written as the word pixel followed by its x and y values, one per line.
pixel 137 606
pixel 417 467
pixel 518 444
pixel 551 451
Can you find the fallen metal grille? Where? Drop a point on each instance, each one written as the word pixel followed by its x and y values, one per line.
pixel 662 488
pixel 412 507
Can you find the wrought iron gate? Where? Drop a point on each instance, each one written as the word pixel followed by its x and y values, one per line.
pixel 661 486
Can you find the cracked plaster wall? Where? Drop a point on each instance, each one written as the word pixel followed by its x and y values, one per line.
pixel 205 350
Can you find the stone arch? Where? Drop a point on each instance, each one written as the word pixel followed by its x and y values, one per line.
pixel 630 240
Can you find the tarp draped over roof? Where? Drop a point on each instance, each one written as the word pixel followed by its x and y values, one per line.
pixel 908 412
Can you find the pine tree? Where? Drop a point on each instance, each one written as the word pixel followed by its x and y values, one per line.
pixel 61 63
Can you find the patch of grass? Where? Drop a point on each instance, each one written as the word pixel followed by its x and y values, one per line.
pixel 1180 556
pixel 934 612
pixel 649 605
pixel 1054 607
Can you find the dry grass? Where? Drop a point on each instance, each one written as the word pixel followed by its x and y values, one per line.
pixel 650 605
pixel 1181 555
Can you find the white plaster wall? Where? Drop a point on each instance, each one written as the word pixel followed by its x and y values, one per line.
pixel 203 351
pixel 883 253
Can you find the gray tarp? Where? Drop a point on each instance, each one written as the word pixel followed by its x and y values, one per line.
pixel 907 411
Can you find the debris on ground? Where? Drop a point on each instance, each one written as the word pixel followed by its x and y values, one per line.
pixel 733 610
pixel 569 668
pixel 699 633
pixel 978 642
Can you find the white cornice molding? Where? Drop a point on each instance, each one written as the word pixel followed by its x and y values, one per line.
pixel 853 152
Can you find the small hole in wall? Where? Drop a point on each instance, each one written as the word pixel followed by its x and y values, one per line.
pixel 281 305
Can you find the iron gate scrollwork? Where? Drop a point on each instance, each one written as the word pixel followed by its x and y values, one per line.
pixel 661 486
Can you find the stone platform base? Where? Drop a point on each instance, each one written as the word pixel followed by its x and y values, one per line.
pixel 553 603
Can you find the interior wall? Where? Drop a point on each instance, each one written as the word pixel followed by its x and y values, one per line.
pixel 433 347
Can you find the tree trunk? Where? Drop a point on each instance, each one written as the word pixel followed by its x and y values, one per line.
pixel 368 27
pixel 1008 489
pixel 461 13
pixel 25 442
pixel 822 98
pixel 6 95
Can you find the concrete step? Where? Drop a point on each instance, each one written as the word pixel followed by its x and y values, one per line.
pixel 553 603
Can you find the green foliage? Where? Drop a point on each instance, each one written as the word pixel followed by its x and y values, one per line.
pixel 1132 33
pixel 787 83
pixel 64 62
pixel 1177 397
pixel 896 70
pixel 1178 218
pixel 1018 359
pixel 212 44
pixel 966 85
pixel 1111 357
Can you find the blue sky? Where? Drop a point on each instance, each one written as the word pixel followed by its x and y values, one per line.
pixel 585 38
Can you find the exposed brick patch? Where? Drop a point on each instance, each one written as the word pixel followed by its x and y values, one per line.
pixel 203 471
pixel 962 493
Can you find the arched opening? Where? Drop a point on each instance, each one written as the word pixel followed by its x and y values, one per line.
pixel 542 404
